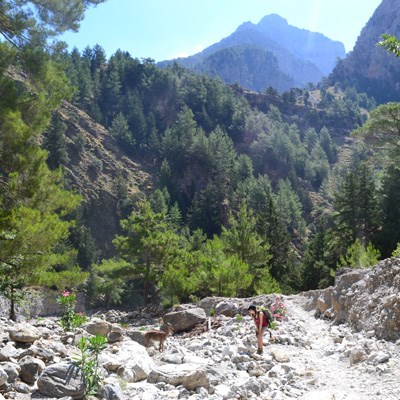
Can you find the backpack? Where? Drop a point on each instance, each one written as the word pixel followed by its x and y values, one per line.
pixel 267 316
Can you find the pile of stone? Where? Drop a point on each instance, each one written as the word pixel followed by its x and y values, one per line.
pixel 367 299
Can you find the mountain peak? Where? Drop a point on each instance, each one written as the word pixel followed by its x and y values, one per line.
pixel 272 20
pixel 245 26
pixel 284 50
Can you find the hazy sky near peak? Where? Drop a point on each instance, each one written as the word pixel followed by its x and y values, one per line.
pixel 166 29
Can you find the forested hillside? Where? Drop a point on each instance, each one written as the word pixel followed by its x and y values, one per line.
pixel 239 179
pixel 188 187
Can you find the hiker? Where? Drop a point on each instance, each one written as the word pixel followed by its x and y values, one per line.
pixel 261 325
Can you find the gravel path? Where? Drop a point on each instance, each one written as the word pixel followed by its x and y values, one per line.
pixel 329 364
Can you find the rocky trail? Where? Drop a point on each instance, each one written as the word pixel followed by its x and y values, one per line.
pixel 307 358
pixel 331 357
pixel 340 343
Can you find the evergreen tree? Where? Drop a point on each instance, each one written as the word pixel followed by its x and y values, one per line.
pixel 83 241
pixel 33 202
pixel 383 129
pixel 389 236
pixel 23 21
pixel 54 143
pixel 178 139
pixel 355 205
pixel 242 240
pixel 145 246
pixel 220 274
pixel 205 211
pixel 327 145
pixel 133 109
pixel 316 271
pixel 290 210
pixel 120 130
pixel 359 255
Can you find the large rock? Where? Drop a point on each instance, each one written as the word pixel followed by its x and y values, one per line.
pixel 129 359
pixel 8 352
pixel 12 370
pixel 40 302
pixel 280 356
pixel 115 336
pixel 97 326
pixel 31 368
pixel 186 319
pixel 357 355
pixel 342 293
pixel 136 335
pixel 3 377
pixel 189 376
pixel 61 380
pixel 324 301
pixel 111 392
pixel 41 352
pixel 24 333
pixel 227 308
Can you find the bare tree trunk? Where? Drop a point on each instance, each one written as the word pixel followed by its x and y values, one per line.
pixel 12 304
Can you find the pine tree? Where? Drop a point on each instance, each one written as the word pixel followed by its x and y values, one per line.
pixel 389 203
pixel 356 213
pixel 144 246
pixel 383 129
pixel 220 274
pixel 120 130
pixel 23 21
pixel 327 144
pixel 33 202
pixel 359 255
pixel 316 271
pixel 242 240
pixel 54 143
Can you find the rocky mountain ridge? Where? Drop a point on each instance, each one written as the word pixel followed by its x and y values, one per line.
pixel 306 357
pixel 312 57
pixel 370 68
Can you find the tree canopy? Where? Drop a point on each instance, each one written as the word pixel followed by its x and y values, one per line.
pixel 24 21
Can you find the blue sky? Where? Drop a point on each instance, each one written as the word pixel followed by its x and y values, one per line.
pixel 165 29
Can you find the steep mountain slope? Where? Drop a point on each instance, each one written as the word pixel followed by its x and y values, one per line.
pixel 252 66
pixel 312 46
pixel 302 55
pixel 369 67
pixel 95 168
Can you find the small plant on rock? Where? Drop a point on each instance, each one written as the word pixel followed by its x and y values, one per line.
pixel 69 318
pixel 273 325
pixel 239 318
pixel 88 361
pixel 278 310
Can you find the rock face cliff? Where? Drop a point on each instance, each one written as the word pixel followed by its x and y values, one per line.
pixel 369 67
pixel 367 299
pixel 285 55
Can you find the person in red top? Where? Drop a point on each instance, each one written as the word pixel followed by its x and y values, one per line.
pixel 261 325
